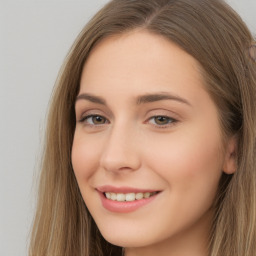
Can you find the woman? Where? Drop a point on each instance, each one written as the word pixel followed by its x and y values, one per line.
pixel 150 145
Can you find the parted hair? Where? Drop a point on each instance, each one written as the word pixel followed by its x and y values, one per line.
pixel 211 32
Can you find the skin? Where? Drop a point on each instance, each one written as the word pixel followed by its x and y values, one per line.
pixel 181 155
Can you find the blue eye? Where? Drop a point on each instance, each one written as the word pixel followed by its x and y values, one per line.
pixel 94 120
pixel 161 120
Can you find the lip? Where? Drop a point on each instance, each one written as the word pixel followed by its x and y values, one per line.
pixel 124 207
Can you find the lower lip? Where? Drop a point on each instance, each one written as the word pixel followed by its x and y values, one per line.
pixel 124 207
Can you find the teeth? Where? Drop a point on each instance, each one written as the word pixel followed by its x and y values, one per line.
pixel 108 195
pixel 147 195
pixel 113 196
pixel 120 197
pixel 139 196
pixel 129 197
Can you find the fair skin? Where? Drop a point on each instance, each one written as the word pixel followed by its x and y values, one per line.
pixel 127 140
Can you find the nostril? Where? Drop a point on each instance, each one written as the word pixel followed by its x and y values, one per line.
pixel 119 153
pixel 120 162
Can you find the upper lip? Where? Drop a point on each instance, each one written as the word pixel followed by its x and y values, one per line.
pixel 109 188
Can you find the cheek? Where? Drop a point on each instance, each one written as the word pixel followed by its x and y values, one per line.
pixel 84 157
pixel 190 165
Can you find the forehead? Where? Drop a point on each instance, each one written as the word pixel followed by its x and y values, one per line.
pixel 139 47
pixel 139 62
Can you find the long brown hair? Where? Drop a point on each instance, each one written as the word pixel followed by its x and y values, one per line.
pixel 217 38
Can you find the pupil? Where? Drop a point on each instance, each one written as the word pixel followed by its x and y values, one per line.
pixel 98 119
pixel 161 120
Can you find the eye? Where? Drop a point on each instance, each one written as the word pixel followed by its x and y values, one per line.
pixel 161 120
pixel 94 120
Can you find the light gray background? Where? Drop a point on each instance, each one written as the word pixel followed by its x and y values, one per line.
pixel 35 36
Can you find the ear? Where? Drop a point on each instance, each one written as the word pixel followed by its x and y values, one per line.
pixel 230 161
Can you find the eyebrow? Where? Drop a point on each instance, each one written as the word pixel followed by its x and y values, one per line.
pixel 91 98
pixel 160 96
pixel 143 99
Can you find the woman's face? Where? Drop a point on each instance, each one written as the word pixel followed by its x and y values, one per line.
pixel 147 150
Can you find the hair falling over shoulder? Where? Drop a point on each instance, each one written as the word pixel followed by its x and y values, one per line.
pixel 211 32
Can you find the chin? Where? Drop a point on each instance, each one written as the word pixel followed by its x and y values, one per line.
pixel 125 241
pixel 127 238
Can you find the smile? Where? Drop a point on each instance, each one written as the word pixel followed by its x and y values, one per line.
pixel 125 199
pixel 128 197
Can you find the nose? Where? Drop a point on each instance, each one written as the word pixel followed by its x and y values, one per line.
pixel 120 152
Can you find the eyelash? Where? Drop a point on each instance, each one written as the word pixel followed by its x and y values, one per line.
pixel 170 121
pixel 85 120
